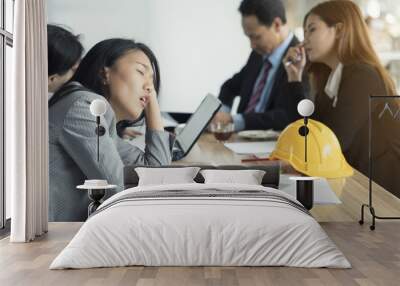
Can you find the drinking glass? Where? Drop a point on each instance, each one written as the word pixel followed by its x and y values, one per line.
pixel 222 132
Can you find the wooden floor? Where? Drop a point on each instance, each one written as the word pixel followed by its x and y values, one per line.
pixel 375 259
pixel 374 255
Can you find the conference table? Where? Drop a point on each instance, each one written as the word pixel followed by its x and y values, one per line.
pixel 351 191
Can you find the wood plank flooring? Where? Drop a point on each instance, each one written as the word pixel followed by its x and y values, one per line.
pixel 375 257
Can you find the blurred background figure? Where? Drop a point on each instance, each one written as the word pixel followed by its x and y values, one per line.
pixel 345 70
pixel 261 83
pixel 64 53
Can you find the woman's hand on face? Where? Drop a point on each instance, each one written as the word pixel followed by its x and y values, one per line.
pixel 151 98
pixel 152 110
pixel 294 63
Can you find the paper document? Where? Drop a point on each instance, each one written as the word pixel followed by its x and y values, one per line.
pixel 263 147
pixel 323 194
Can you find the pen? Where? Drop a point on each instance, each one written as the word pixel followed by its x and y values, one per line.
pixel 297 59
pixel 256 159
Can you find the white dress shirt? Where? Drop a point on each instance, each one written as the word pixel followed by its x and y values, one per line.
pixel 333 84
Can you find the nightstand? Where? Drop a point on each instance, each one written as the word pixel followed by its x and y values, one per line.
pixel 95 194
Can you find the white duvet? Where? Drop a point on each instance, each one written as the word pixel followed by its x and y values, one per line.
pixel 188 231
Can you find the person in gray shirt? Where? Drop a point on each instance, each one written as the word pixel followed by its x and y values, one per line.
pixel 125 74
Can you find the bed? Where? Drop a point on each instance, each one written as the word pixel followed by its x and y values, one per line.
pixel 197 224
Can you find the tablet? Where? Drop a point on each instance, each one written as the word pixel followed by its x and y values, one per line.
pixel 196 125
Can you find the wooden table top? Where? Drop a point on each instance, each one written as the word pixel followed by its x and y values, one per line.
pixel 352 191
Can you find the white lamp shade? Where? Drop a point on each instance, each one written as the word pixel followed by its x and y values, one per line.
pixel 98 107
pixel 305 108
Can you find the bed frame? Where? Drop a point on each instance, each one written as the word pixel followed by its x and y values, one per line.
pixel 270 179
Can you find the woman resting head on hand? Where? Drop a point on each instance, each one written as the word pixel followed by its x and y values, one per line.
pixel 126 75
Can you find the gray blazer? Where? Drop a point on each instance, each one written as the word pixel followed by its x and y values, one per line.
pixel 73 154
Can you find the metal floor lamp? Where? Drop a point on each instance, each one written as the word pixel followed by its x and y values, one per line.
pixel 370 204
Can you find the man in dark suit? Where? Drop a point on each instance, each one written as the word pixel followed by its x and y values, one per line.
pixel 262 81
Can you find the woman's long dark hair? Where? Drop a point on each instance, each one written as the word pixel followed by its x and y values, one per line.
pixel 105 54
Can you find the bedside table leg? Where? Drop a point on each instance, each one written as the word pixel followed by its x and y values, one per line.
pixel 95 196
pixel 305 193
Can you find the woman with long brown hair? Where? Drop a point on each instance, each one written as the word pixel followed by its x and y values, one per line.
pixel 344 71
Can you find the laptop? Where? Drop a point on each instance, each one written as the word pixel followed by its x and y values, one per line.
pixel 196 124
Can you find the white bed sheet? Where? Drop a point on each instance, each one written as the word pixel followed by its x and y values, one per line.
pixel 200 231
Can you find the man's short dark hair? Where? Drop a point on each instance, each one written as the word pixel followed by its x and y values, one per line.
pixel 64 50
pixel 265 10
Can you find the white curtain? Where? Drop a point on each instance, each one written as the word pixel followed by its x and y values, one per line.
pixel 27 124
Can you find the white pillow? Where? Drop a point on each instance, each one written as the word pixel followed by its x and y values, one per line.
pixel 163 176
pixel 248 177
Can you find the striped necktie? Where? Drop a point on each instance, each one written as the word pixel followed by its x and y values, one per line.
pixel 255 98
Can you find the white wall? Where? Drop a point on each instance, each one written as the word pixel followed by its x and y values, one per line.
pixel 199 44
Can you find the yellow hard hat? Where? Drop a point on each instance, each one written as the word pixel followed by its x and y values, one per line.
pixel 324 155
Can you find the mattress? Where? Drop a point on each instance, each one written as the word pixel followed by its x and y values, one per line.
pixel 201 225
